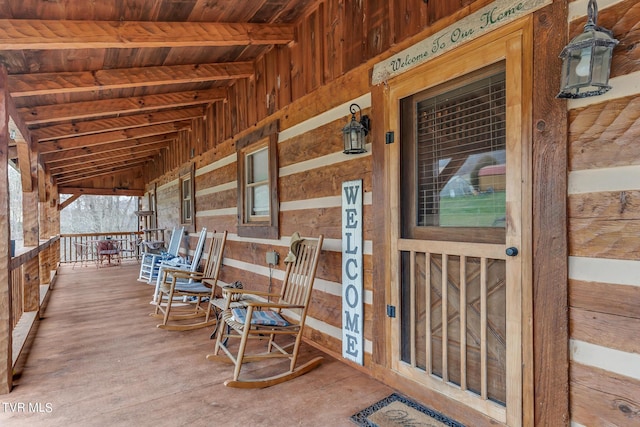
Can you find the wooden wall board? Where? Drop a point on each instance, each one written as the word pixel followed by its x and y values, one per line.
pixel 220 200
pixel 223 175
pixel 607 298
pixel 325 181
pixel 410 17
pixel 261 89
pixel 333 39
pixel 378 27
pixel 599 397
pixel 353 43
pixel 326 219
pixel 218 222
pixel 605 134
pixel 605 206
pixel 313 40
pixel 271 78
pixel 324 140
pixel 284 76
pixel 604 238
pixel 606 330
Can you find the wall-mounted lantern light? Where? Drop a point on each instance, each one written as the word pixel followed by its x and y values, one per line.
pixel 355 132
pixel 586 60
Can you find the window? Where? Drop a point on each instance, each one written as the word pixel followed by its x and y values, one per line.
pixel 258 184
pixel 187 210
pixel 454 169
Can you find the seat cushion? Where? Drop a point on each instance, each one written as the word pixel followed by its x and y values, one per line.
pixel 265 318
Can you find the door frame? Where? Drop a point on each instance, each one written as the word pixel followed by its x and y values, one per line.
pixel 513 44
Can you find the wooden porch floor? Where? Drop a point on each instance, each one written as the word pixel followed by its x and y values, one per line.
pixel 97 359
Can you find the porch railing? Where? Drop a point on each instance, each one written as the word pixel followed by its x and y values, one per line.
pixel 33 269
pixel 80 249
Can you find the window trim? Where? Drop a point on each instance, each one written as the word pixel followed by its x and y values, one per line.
pixel 407 110
pixel 185 174
pixel 260 227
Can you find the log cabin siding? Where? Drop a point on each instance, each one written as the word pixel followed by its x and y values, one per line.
pixel 603 225
pixel 312 168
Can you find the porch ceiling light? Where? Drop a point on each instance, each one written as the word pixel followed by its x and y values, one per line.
pixel 355 132
pixel 587 59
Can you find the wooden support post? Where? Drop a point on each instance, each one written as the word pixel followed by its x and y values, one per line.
pixel 49 226
pixel 31 229
pixel 550 401
pixel 6 341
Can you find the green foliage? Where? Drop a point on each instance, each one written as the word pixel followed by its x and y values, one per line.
pixel 482 210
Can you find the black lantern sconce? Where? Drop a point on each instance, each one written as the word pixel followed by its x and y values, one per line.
pixel 586 60
pixel 355 132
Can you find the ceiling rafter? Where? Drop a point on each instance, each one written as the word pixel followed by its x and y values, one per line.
pixel 91 162
pixel 94 166
pixel 132 145
pixel 16 34
pixel 96 126
pixel 102 157
pixel 100 172
pixel 111 137
pixel 71 82
pixel 91 109
pixel 80 191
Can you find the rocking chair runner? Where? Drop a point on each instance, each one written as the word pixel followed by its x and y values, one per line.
pixel 263 320
pixel 179 283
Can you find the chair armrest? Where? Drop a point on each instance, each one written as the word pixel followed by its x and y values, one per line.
pixel 249 292
pixel 181 274
pixel 172 264
pixel 260 304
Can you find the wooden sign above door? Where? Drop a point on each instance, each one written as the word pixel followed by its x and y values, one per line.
pixel 490 17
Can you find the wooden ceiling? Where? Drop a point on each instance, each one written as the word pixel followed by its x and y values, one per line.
pixel 102 86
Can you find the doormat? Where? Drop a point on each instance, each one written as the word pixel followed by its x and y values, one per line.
pixel 398 411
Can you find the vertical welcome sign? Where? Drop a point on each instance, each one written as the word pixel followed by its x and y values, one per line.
pixel 352 288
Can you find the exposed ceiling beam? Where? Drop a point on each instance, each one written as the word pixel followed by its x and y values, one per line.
pixel 16 122
pixel 93 170
pixel 16 34
pixel 110 137
pixel 67 130
pixel 105 171
pixel 101 191
pixel 67 202
pixel 90 109
pixel 94 161
pixel 53 83
pixel 131 145
pixel 24 163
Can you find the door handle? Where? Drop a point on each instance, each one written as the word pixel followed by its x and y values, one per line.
pixel 512 251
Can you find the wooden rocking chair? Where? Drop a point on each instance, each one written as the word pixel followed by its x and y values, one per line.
pixel 264 320
pixel 151 261
pixel 178 283
pixel 177 264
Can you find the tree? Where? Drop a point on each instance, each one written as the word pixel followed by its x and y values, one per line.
pixel 99 214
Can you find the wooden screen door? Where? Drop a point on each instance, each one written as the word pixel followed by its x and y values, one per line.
pixel 461 171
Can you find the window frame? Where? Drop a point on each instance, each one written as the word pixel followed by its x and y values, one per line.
pixel 434 232
pixel 266 226
pixel 187 176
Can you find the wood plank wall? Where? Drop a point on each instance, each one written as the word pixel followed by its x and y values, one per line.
pixel 604 225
